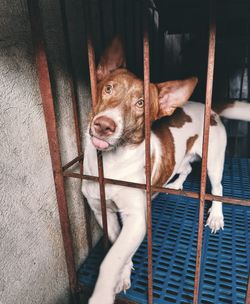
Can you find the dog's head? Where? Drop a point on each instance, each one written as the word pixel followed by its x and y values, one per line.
pixel 119 115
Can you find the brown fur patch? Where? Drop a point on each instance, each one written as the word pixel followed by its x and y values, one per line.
pixel 126 90
pixel 178 119
pixel 174 94
pixel 190 142
pixel 112 59
pixel 134 129
pixel 161 129
pixel 154 107
pixel 120 80
pixel 213 121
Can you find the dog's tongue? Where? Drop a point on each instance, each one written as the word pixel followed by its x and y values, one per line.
pixel 99 144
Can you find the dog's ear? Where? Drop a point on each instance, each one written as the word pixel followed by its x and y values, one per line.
pixel 174 94
pixel 112 59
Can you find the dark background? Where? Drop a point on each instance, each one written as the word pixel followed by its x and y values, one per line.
pixel 178 47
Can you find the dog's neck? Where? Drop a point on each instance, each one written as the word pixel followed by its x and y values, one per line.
pixel 127 161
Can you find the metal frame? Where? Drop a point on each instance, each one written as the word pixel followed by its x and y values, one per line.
pixel 207 113
pixel 92 71
pixel 60 172
pixel 50 120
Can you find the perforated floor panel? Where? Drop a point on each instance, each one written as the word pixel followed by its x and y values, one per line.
pixel 225 255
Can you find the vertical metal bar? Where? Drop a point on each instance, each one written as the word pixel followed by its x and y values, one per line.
pixel 92 71
pixel 74 100
pixel 73 87
pixel 248 71
pixel 248 291
pixel 147 155
pixel 241 82
pixel 50 119
pixel 209 89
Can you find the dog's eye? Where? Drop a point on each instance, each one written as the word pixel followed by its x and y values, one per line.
pixel 109 89
pixel 140 103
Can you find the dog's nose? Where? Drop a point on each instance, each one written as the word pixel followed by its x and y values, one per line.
pixel 104 126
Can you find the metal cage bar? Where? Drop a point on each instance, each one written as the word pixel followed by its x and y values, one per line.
pixel 191 194
pixel 73 88
pixel 93 84
pixel 148 157
pixel 248 290
pixel 50 120
pixel 75 110
pixel 206 127
pixel 60 171
pixel 72 162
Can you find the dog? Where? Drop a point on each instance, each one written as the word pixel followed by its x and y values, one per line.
pixel 117 129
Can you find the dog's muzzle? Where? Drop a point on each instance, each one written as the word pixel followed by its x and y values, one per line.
pixel 102 128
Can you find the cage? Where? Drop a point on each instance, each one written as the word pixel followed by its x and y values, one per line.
pixel 180 261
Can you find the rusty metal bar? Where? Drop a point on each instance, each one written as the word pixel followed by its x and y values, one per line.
pixel 74 102
pixel 148 157
pixel 190 194
pixel 72 162
pixel 50 120
pixel 73 87
pixel 209 90
pixel 92 71
pixel 248 291
pixel 49 112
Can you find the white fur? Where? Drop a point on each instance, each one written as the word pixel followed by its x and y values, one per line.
pixel 115 270
pixel 216 154
pixel 127 163
pixel 240 110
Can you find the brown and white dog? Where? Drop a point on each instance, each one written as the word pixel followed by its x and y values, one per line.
pixel 117 129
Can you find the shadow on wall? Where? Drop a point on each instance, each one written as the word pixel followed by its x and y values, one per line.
pixel 32 259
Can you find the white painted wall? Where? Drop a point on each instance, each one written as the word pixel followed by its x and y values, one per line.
pixel 32 262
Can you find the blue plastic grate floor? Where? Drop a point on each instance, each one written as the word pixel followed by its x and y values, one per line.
pixel 225 255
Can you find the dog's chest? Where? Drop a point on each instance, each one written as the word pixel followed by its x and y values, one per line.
pixel 124 163
pixel 127 163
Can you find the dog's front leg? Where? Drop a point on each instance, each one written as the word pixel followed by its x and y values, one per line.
pixel 131 204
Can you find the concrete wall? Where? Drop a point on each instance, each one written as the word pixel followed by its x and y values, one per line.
pixel 32 262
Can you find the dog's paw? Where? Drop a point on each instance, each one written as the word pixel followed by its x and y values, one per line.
pixel 123 285
pixel 124 282
pixel 175 185
pixel 215 220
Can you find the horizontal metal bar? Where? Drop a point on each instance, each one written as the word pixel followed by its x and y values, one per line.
pixel 190 194
pixel 72 162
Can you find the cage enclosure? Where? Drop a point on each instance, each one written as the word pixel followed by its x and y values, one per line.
pixel 189 264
